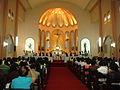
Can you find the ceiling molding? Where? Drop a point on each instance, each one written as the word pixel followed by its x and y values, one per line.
pixel 87 3
pixel 29 4
pixel 83 4
pixel 90 4
pixel 26 4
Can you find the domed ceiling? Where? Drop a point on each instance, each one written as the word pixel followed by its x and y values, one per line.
pixel 57 17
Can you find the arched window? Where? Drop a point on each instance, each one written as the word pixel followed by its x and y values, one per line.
pixel 85 45
pixel 108 16
pixel 47 40
pixel 72 40
pixel 67 40
pixel 105 18
pixel 76 39
pixel 42 40
pixel 8 43
pixel 29 44
pixel 107 46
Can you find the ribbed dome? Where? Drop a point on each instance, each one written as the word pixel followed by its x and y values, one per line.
pixel 57 17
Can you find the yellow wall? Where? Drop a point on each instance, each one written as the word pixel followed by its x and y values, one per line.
pixel 10 25
pixel 1 24
pixel 21 21
pixel 94 13
pixel 29 28
pixel 106 28
pixel 21 12
pixel 88 23
pixel 117 10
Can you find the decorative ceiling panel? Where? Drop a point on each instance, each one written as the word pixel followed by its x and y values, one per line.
pixel 57 17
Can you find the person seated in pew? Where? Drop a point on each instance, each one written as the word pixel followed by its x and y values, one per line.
pixel 103 67
pixel 119 64
pixel 33 68
pixel 22 81
pixel 82 62
pixel 87 66
pixel 93 69
pixel 88 63
pixel 13 73
pixel 114 76
pixel 2 80
pixel 5 68
pixel 93 66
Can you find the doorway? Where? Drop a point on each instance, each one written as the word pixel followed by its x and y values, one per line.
pixel 107 47
pixel 9 46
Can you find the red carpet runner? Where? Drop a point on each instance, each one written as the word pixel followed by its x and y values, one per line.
pixel 62 79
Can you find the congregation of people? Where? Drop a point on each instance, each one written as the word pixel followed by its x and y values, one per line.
pixel 28 71
pixel 97 73
pixel 23 73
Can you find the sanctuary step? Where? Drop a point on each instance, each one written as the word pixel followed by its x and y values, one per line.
pixel 58 63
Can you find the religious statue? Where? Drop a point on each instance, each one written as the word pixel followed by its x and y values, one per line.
pixel 85 48
pixel 85 51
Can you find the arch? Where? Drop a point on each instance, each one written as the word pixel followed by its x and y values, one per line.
pixel 47 34
pixel 29 44
pixel 47 40
pixel 57 17
pixel 85 45
pixel 52 20
pixel 67 41
pixel 60 5
pixel 42 39
pixel 76 36
pixel 9 39
pixel 8 42
pixel 107 46
pixel 66 34
pixel 72 33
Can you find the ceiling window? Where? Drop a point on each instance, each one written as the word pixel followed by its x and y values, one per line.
pixel 107 17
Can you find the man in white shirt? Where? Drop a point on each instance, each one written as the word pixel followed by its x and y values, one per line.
pixel 103 67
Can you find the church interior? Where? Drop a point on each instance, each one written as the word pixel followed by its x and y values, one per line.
pixel 60 44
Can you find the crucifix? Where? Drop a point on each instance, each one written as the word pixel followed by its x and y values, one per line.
pixel 58 35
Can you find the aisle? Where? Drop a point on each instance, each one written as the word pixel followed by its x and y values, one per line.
pixel 62 79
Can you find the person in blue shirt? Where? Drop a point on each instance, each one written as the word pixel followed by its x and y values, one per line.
pixel 22 81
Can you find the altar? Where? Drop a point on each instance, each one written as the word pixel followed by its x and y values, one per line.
pixel 56 57
pixel 58 54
